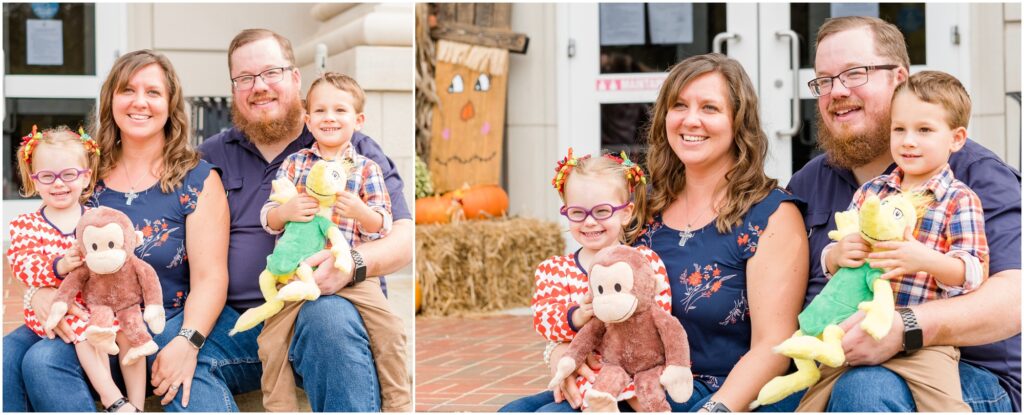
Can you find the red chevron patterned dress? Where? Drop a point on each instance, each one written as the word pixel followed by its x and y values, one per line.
pixel 561 283
pixel 35 246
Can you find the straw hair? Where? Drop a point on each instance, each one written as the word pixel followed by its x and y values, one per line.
pixel 342 82
pixel 889 41
pixel 178 156
pixel 60 138
pixel 746 182
pixel 943 89
pixel 480 266
pixel 248 36
pixel 478 58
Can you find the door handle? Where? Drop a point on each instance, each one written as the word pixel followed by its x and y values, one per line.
pixel 794 65
pixel 716 43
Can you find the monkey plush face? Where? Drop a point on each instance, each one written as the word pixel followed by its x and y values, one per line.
pixel 106 238
pixel 622 283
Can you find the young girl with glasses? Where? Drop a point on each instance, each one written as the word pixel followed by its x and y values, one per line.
pixel 599 195
pixel 57 164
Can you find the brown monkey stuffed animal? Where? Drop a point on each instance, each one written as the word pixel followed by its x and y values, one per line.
pixel 113 283
pixel 637 340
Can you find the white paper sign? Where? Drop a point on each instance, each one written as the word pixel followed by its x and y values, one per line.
pixel 671 23
pixel 854 9
pixel 622 24
pixel 45 42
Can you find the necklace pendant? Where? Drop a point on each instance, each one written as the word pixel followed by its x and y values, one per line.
pixel 130 196
pixel 685 236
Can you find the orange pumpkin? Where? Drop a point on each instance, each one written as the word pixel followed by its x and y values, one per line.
pixel 433 209
pixel 482 201
pixel 419 297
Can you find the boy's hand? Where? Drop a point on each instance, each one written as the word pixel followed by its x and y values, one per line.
pixel 349 205
pixel 849 252
pixel 301 208
pixel 902 257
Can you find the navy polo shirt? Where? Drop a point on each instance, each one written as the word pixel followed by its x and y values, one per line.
pixel 246 176
pixel 829 189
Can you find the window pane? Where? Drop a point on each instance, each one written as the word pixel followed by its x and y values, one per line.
pixel 652 37
pixel 805 19
pixel 22 114
pixel 624 128
pixel 38 44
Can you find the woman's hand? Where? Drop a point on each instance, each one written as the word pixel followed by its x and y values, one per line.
pixel 42 301
pixel 568 389
pixel 173 370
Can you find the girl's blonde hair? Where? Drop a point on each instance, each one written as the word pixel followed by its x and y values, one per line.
pixel 60 137
pixel 178 155
pixel 616 173
pixel 747 183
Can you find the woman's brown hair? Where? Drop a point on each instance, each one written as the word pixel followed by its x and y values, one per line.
pixel 178 155
pixel 746 182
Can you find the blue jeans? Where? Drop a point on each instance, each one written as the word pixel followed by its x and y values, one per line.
pixel 545 402
pixel 16 344
pixel 329 350
pixel 877 389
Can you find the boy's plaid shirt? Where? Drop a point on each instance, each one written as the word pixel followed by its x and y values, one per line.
pixel 953 224
pixel 365 179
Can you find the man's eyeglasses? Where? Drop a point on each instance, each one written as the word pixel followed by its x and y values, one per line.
pixel 851 78
pixel 269 76
pixel 599 212
pixel 66 175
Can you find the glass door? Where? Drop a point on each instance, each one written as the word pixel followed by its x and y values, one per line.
pixel 56 56
pixel 615 58
pixel 933 35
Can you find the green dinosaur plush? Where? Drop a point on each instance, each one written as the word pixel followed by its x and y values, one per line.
pixel 299 241
pixel 850 289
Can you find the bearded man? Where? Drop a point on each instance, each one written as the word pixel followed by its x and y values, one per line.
pixel 329 350
pixel 860 61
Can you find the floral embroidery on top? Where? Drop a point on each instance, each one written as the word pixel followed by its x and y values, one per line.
pixel 154 234
pixel 180 257
pixel 701 283
pixel 189 198
pixel 740 310
pixel 748 241
pixel 179 299
pixel 710 381
pixel 646 237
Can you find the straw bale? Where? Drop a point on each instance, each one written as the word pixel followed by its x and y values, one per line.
pixel 475 267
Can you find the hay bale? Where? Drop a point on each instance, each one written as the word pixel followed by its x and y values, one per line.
pixel 480 266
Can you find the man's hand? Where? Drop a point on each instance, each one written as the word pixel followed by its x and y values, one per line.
pixel 327 277
pixel 301 208
pixel 908 256
pixel 849 252
pixel 863 350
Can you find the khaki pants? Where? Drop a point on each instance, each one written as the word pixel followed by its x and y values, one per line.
pixel 387 343
pixel 932 374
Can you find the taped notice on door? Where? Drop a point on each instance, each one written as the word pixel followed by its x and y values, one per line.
pixel 44 42
pixel 631 83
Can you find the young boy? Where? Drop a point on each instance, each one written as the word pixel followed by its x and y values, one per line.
pixel 334 111
pixel 946 255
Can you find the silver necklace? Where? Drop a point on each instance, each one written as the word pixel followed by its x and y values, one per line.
pixel 132 194
pixel 686 234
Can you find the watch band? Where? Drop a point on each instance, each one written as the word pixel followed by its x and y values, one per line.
pixel 715 406
pixel 194 338
pixel 913 336
pixel 358 268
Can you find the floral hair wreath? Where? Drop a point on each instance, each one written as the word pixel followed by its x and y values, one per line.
pixel 30 141
pixel 634 174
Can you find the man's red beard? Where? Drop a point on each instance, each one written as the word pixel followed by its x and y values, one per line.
pixel 851 150
pixel 269 130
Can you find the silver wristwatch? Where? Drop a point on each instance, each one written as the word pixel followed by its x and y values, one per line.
pixel 194 338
